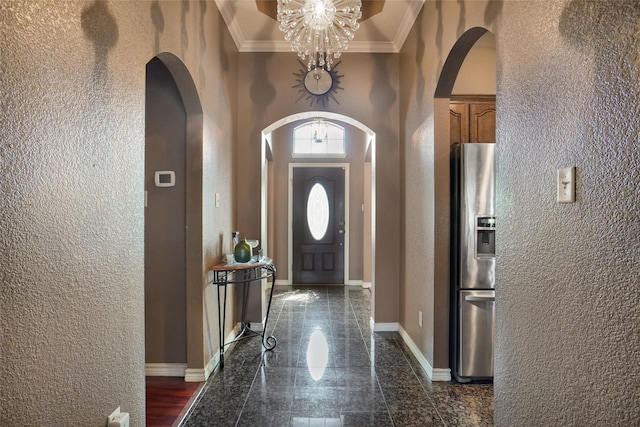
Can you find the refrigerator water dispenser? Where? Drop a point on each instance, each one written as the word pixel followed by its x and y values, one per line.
pixel 485 236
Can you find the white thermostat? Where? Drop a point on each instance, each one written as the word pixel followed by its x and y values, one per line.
pixel 165 178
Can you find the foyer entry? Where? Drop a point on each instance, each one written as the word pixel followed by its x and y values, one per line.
pixel 318 225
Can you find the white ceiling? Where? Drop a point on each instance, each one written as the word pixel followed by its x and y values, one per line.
pixel 254 31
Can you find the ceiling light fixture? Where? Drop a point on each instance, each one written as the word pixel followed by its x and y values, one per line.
pixel 319 29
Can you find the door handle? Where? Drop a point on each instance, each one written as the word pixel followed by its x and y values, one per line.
pixel 478 298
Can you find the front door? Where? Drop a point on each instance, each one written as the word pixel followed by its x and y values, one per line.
pixel 318 225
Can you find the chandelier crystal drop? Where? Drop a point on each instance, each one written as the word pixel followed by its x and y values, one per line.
pixel 319 30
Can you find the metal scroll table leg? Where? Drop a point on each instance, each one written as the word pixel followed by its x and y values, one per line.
pixel 221 322
pixel 245 301
pixel 269 342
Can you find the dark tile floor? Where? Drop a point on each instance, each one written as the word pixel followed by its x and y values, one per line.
pixel 329 369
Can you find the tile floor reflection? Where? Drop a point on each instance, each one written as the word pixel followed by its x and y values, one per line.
pixel 329 369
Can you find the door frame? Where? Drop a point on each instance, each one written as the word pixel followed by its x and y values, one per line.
pixel 344 166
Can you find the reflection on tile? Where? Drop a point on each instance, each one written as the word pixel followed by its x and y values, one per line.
pixel 362 399
pixel 315 422
pixel 281 358
pixel 316 402
pixel 360 418
pixel 307 378
pixel 267 418
pixel 329 369
pixel 264 399
pixel 275 377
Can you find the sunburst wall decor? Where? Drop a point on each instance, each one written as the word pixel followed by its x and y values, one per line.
pixel 317 85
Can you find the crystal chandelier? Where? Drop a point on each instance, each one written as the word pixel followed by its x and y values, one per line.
pixel 319 29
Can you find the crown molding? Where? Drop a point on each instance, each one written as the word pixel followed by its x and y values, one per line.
pixel 283 46
pixel 225 8
pixel 408 20
pixel 280 45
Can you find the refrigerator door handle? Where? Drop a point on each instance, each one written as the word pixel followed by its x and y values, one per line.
pixel 478 298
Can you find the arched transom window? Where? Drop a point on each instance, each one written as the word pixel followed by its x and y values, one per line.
pixel 318 138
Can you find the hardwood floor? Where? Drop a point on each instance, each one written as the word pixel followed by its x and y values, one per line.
pixel 167 398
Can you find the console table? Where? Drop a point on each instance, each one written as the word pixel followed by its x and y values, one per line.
pixel 243 274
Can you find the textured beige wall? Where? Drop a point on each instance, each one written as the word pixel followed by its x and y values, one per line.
pixel 72 154
pixel 72 161
pixel 426 164
pixel 477 74
pixel 568 331
pixel 366 225
pixel 371 97
pixel 568 318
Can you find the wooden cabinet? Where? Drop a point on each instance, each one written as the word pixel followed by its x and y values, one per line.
pixel 473 118
pixel 459 118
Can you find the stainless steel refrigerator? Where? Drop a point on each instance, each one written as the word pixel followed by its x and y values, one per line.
pixel 473 226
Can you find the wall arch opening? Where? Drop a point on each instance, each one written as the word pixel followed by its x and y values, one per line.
pixel 267 156
pixel 447 81
pixel 173 220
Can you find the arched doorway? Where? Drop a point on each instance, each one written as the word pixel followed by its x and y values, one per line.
pixel 173 218
pixel 368 142
pixel 442 129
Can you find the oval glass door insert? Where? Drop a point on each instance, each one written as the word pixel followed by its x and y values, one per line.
pixel 318 211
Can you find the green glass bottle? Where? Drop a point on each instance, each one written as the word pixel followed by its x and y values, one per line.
pixel 242 252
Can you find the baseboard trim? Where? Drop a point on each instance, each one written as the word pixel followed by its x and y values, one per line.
pixel 441 374
pixel 355 283
pixel 202 374
pixel 165 369
pixel 366 285
pixel 384 327
pixel 258 326
pixel 283 282
pixel 434 374
pixel 196 375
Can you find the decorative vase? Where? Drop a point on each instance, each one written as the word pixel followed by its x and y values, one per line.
pixel 242 251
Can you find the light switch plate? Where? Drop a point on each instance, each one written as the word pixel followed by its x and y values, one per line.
pixel 566 185
pixel 113 416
